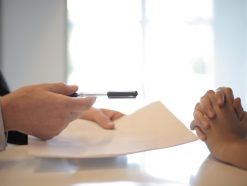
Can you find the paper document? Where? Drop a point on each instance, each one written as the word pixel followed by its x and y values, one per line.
pixel 151 127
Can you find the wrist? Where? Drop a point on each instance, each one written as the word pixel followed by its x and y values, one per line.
pixel 230 151
pixel 3 133
pixel 237 154
pixel 5 113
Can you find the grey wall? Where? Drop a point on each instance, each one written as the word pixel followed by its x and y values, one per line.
pixel 230 36
pixel 33 41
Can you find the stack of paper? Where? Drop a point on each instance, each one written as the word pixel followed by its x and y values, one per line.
pixel 151 127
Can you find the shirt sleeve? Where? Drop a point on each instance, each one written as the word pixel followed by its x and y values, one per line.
pixel 3 134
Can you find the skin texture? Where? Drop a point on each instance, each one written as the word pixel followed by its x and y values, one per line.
pixel 103 117
pixel 45 110
pixel 221 122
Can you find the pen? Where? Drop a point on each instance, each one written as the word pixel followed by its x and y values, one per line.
pixel 110 94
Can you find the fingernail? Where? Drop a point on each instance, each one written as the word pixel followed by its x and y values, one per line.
pixel 192 126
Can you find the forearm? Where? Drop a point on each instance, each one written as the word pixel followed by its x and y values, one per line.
pixel 235 154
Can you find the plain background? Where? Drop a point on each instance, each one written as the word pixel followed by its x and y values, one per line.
pixel 33 42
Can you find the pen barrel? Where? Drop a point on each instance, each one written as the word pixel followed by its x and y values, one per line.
pixel 110 94
pixel 131 94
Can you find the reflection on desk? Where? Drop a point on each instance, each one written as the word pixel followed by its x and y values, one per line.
pixel 183 165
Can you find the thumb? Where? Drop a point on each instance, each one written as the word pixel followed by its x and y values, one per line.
pixel 104 121
pixel 201 135
pixel 62 88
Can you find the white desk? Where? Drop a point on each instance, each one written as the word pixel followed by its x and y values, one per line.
pixel 187 164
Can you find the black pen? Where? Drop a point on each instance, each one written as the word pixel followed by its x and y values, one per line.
pixel 110 94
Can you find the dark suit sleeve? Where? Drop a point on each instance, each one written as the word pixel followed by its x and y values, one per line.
pixel 14 137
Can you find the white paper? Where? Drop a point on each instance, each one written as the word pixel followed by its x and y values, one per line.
pixel 151 127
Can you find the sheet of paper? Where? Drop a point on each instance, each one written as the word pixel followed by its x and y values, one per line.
pixel 151 127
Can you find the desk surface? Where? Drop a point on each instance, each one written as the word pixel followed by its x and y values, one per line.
pixel 188 164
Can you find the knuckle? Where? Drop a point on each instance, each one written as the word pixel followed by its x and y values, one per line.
pixel 228 90
pixel 210 93
pixel 220 88
pixel 61 84
pixel 203 98
pixel 197 106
